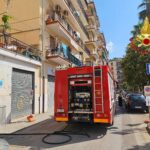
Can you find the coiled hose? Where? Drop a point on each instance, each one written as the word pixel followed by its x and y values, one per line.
pixel 63 133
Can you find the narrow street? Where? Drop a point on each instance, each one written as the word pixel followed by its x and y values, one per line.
pixel 128 133
pixel 64 64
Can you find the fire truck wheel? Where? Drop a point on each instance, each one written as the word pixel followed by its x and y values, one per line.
pixel 112 123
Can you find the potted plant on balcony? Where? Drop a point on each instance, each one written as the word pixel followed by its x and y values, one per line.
pixel 48 20
pixel 5 26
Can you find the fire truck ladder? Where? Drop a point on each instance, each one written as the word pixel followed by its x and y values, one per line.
pixel 98 88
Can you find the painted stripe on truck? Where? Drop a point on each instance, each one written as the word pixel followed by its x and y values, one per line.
pixel 61 119
pixel 101 120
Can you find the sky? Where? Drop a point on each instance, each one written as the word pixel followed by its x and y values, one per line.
pixel 117 18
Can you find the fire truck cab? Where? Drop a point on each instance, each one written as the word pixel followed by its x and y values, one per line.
pixel 84 94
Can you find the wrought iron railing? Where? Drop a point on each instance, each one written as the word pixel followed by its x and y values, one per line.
pixel 74 12
pixel 89 1
pixel 87 50
pixel 74 60
pixel 83 10
pixel 59 51
pixel 86 2
pixel 56 17
pixel 17 46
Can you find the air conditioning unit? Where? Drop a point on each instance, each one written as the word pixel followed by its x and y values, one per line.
pixel 77 13
pixel 78 34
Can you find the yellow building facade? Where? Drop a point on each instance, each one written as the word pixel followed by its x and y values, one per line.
pixel 64 32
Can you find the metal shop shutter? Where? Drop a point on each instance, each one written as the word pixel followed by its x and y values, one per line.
pixel 51 83
pixel 22 93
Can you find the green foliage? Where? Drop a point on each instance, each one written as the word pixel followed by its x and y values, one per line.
pixel 134 64
pixel 6 18
pixel 6 25
pixel 136 29
pixel 134 68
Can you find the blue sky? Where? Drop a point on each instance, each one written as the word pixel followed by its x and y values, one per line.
pixel 117 18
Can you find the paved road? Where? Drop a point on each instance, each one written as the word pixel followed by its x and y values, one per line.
pixel 128 133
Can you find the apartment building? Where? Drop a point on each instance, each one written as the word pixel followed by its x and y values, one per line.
pixel 115 65
pixel 102 50
pixel 62 32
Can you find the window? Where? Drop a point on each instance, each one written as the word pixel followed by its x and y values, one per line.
pixel 97 72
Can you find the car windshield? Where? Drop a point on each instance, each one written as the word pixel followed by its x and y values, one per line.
pixel 137 97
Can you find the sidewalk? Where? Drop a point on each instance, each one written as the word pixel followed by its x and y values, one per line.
pixel 23 123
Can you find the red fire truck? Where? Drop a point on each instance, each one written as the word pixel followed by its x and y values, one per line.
pixel 84 94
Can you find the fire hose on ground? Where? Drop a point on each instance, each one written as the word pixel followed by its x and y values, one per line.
pixel 63 133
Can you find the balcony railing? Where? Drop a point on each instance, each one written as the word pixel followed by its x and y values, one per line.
pixel 83 10
pixel 59 52
pixel 89 1
pixel 91 26
pixel 17 46
pixel 86 2
pixel 87 50
pixel 90 13
pixel 74 60
pixel 73 10
pixel 56 17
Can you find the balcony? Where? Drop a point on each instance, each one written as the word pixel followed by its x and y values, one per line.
pixel 85 3
pixel 89 1
pixel 91 44
pixel 92 28
pixel 95 54
pixel 59 27
pixel 91 16
pixel 87 50
pixel 74 60
pixel 82 9
pixel 16 46
pixel 91 13
pixel 58 56
pixel 73 10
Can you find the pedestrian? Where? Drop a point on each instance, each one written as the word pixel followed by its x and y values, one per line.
pixel 120 100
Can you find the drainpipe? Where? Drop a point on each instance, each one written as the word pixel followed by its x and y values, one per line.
pixel 43 55
pixel 42 84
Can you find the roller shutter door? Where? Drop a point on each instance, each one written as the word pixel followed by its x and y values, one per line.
pixel 22 93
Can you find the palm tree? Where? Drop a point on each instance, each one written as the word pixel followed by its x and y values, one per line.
pixel 136 29
pixel 145 12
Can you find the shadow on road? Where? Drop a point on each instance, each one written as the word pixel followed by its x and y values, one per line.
pixel 96 131
pixel 130 131
pixel 141 147
pixel 131 127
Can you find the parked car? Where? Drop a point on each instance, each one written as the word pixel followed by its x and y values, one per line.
pixel 135 101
